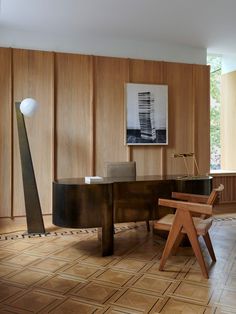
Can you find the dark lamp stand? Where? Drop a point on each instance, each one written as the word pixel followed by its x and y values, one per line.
pixel 32 204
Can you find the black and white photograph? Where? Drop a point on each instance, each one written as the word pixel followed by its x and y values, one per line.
pixel 146 114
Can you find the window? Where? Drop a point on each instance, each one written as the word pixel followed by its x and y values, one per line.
pixel 215 62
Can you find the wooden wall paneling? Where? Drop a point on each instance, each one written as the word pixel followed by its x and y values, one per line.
pixel 111 74
pixel 5 133
pixel 201 74
pixel 33 77
pixel 179 78
pixel 148 158
pixel 228 127
pixel 229 182
pixel 74 133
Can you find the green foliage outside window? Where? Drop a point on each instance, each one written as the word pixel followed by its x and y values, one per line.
pixel 215 63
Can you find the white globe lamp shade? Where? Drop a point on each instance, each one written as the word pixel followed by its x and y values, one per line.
pixel 28 106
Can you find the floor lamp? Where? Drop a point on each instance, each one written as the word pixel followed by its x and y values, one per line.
pixel 33 210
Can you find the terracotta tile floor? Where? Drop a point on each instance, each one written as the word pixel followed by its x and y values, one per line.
pixel 66 274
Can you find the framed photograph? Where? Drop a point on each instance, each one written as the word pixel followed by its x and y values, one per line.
pixel 146 114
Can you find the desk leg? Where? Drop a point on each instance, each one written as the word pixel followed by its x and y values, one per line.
pixel 107 231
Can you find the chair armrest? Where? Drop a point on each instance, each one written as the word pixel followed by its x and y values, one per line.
pixel 187 206
pixel 195 198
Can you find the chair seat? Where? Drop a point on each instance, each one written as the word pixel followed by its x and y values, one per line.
pixel 202 225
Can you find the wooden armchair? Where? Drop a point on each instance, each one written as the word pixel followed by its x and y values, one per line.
pixel 183 222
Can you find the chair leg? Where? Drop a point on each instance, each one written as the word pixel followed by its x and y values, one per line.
pixel 172 237
pixel 193 238
pixel 177 243
pixel 148 225
pixel 207 240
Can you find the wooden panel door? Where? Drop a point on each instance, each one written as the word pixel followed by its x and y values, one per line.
pixel 111 74
pixel 179 78
pixel 149 159
pixel 33 77
pixel 74 115
pixel 5 133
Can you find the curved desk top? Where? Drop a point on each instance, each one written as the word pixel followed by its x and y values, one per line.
pixel 107 180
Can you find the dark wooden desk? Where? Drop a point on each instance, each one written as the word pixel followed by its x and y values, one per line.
pixel 80 205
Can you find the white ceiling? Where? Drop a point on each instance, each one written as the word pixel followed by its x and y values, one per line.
pixel 197 23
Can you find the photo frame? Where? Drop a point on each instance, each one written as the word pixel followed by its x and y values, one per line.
pixel 146 107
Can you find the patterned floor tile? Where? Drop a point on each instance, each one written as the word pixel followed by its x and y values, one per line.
pixel 195 275
pixel 7 291
pixel 19 245
pixel 5 311
pixel 136 300
pixel 44 249
pixel 178 261
pixel 70 253
pixel 80 270
pixel 151 283
pixel 118 310
pixel 233 269
pixel 6 269
pixel 3 243
pixel 231 282
pixel 130 265
pixel 115 277
pixel 33 301
pixel 96 292
pixel 224 310
pixel 228 298
pixel 21 259
pixel 174 306
pixel 59 284
pixel 27 277
pixel 73 306
pixel 193 292
pixel 49 264
pixel 97 260
pixel 5 254
pixel 143 254
pixel 38 240
pixel 171 271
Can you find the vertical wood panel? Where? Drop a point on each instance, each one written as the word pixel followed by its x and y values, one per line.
pixel 74 95
pixel 110 77
pixel 148 158
pixel 202 116
pixel 5 133
pixel 229 182
pixel 179 78
pixel 228 126
pixel 33 77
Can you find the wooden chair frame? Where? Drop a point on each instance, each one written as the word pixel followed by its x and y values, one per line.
pixel 183 223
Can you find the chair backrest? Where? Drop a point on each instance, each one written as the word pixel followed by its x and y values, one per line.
pixel 215 195
pixel 121 169
pixel 211 200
